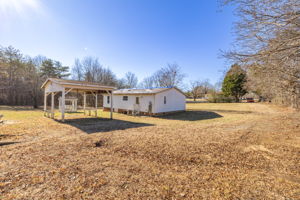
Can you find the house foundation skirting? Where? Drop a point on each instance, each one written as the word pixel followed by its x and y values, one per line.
pixel 130 112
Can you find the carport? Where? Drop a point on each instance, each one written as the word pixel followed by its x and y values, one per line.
pixel 54 85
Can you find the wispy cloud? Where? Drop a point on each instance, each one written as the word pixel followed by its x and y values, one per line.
pixel 19 12
pixel 20 9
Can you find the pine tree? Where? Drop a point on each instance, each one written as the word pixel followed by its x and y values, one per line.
pixel 234 82
pixel 53 69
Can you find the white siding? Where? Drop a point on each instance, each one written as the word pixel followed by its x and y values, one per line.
pixel 118 102
pixel 53 87
pixel 175 101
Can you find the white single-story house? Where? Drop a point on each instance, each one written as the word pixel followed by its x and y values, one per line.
pixel 154 101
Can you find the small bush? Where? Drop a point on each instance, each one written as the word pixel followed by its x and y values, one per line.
pixel 219 98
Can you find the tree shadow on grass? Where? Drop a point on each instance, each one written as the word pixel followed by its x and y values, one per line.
pixel 75 112
pixel 231 111
pixel 94 125
pixel 191 115
pixel 18 108
pixel 3 136
pixel 7 143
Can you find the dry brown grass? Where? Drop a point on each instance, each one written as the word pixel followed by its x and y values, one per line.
pixel 213 151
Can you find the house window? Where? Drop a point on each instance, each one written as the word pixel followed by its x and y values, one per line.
pixel 165 100
pixel 108 99
pixel 137 100
pixel 125 98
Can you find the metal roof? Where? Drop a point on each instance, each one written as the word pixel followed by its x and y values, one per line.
pixel 143 91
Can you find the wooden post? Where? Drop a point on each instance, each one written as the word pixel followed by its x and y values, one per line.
pixel 73 105
pixel 63 105
pixel 45 103
pixel 76 105
pixel 52 105
pixel 84 101
pixel 96 102
pixel 111 105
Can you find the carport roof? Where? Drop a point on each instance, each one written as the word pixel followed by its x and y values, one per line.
pixel 77 84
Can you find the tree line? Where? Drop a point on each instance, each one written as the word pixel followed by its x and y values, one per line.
pixel 21 76
pixel 266 57
pixel 90 69
pixel 268 48
pixel 232 88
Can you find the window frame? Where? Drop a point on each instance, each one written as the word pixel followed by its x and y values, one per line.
pixel 125 98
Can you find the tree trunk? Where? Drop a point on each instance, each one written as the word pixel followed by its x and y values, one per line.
pixel 35 103
pixel 236 99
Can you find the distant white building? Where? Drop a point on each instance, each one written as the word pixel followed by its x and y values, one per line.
pixel 154 101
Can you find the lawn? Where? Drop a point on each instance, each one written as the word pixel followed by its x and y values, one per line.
pixel 211 151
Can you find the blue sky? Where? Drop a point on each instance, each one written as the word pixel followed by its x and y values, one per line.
pixel 139 36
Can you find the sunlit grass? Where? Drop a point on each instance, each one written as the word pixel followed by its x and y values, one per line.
pixel 224 146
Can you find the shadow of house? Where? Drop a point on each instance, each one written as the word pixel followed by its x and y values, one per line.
pixel 191 115
pixel 94 125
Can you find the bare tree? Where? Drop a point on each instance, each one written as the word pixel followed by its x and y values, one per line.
pixel 205 87
pixel 268 40
pixel 195 89
pixel 131 80
pixel 171 75
pixel 168 76
pixel 90 69
pixel 121 83
pixel 147 82
pixel 77 70
pixel 33 80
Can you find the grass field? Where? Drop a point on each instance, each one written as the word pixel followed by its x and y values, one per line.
pixel 197 100
pixel 211 151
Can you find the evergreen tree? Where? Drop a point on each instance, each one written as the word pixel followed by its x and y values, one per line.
pixel 61 71
pixel 53 69
pixel 234 82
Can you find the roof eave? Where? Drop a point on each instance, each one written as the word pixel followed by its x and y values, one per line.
pixel 134 93
pixel 87 86
pixel 45 83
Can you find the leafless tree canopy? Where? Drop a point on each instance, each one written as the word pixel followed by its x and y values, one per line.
pixel 200 88
pixel 171 75
pixel 268 44
pixel 90 69
pixel 147 82
pixel 131 80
